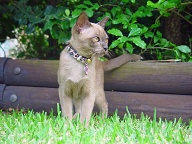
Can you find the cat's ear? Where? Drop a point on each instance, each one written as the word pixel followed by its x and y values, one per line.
pixel 103 22
pixel 82 22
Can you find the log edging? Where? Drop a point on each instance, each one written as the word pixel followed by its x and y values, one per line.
pixel 2 89
pixel 140 86
pixel 171 78
pixel 45 99
pixel 147 77
pixel 2 67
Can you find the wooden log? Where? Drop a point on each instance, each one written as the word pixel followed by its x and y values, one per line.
pixel 2 65
pixel 172 78
pixel 147 77
pixel 167 105
pixel 40 73
pixel 36 98
pixel 2 88
pixel 44 99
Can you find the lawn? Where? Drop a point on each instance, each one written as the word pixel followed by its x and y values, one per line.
pixel 40 128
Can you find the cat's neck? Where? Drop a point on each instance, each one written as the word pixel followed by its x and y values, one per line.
pixel 81 50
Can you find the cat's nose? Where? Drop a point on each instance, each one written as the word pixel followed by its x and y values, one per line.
pixel 105 48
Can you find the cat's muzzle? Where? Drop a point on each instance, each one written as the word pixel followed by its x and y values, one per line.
pixel 105 48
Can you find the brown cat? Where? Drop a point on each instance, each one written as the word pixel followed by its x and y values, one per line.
pixel 81 74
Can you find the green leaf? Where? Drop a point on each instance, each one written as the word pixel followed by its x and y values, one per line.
pixel 125 1
pixel 177 53
pixel 113 11
pixel 133 26
pixel 115 32
pixel 60 11
pixel 128 11
pixel 117 21
pixel 88 3
pixel 37 21
pixel 18 16
pixel 144 29
pixel 164 42
pixel 183 56
pixel 155 25
pixel 65 24
pixel 143 12
pixel 114 43
pixel 137 41
pixel 96 6
pixel 120 45
pixel 135 31
pixel 190 60
pixel 22 21
pixel 148 34
pixel 82 6
pixel 129 47
pixel 48 25
pixel 49 10
pixel 64 37
pixel 67 12
pixel 156 39
pixel 72 22
pixel 123 39
pixel 159 33
pixel 30 28
pixel 55 32
pixel 184 48
pixel 76 13
pixel 133 1
pixel 89 12
pixel 153 5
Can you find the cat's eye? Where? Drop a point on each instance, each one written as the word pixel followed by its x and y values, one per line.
pixel 96 39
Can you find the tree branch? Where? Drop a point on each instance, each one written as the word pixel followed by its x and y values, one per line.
pixel 181 16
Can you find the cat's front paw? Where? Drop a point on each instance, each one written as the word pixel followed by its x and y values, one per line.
pixel 136 57
pixel 133 57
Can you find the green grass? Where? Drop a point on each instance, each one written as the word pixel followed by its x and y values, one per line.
pixel 41 128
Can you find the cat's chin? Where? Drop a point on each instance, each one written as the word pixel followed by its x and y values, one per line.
pixel 101 54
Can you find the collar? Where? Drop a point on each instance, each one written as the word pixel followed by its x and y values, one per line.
pixel 79 58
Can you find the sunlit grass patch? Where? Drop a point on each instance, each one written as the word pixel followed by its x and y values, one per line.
pixel 31 127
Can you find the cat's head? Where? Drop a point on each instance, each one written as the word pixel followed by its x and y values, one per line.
pixel 89 38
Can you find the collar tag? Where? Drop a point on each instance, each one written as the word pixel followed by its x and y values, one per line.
pixel 86 68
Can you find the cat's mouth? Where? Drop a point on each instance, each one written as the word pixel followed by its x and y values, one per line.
pixel 100 53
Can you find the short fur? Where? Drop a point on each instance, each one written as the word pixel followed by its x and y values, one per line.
pixel 75 87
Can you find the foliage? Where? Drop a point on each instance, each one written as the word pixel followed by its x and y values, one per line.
pixel 33 45
pixel 30 128
pixel 146 36
pixel 134 26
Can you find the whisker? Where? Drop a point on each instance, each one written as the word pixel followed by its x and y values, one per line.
pixel 113 54
pixel 108 55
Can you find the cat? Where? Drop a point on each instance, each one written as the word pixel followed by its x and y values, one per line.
pixel 81 74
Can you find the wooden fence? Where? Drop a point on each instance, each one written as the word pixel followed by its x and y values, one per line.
pixel 140 86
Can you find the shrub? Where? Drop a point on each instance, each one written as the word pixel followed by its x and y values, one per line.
pixel 134 26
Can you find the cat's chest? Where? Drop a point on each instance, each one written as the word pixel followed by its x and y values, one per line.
pixel 79 71
pixel 76 71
